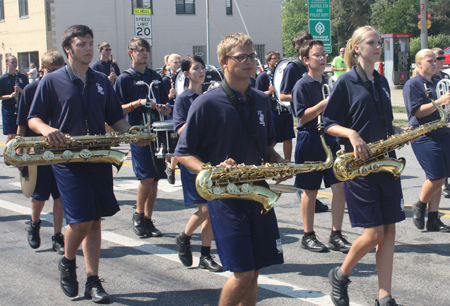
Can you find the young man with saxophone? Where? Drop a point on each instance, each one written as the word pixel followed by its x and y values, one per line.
pixel 146 166
pixel 77 101
pixel 45 182
pixel 246 239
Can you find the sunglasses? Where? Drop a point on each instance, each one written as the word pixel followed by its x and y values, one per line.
pixel 440 58
pixel 107 49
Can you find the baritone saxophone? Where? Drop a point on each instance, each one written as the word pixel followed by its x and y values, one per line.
pixel 347 167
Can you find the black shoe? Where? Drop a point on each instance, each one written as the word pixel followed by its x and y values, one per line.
pixel 339 294
pixel 207 262
pixel 34 239
pixel 139 224
pixel 170 175
pixel 58 243
pixel 320 207
pixel 94 290
pixel 339 243
pixel 311 243
pixel 151 230
pixel 419 215
pixel 437 226
pixel 390 303
pixel 184 251
pixel 68 278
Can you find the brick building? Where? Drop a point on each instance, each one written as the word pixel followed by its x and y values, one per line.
pixel 28 28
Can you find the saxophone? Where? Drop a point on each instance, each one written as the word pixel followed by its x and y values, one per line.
pixel 347 167
pixel 222 183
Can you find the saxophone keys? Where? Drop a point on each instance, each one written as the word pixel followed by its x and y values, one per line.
pixel 67 155
pixel 85 153
pixel 11 152
pixel 246 188
pixel 232 189
pixel 48 155
pixel 26 157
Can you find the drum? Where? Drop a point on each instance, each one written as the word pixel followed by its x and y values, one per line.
pixel 180 81
pixel 277 77
pixel 212 74
pixel 166 139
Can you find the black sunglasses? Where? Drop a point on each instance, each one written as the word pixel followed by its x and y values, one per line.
pixel 440 58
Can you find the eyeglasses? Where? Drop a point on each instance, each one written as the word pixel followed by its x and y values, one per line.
pixel 243 57
pixel 318 56
pixel 107 49
pixel 440 58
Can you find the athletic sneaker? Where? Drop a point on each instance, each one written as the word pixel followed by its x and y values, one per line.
pixel 34 239
pixel 339 294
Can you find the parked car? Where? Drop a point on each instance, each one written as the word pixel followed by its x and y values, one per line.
pixel 447 56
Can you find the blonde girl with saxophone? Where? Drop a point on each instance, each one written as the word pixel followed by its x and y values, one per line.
pixel 359 111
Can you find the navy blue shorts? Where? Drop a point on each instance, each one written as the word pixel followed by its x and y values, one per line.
pixel 190 193
pixel 433 155
pixel 309 148
pixel 9 119
pixel 144 163
pixel 283 125
pixel 374 200
pixel 246 240
pixel 45 184
pixel 86 191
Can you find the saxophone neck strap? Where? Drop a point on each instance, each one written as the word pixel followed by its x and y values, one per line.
pixel 232 97
pixel 368 85
pixel 74 79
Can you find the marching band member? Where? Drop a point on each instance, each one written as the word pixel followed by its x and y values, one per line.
pixel 78 100
pixel 308 101
pixel 193 68
pixel 246 239
pixel 45 182
pixel 173 64
pixel 105 64
pixel 360 112
pixel 133 97
pixel 432 150
pixel 11 86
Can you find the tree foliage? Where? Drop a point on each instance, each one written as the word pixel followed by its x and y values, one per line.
pixel 388 16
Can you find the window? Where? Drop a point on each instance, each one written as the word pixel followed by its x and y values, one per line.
pixel 2 11
pixel 185 6
pixel 200 51
pixel 25 58
pixel 23 8
pixel 229 7
pixel 141 4
pixel 261 51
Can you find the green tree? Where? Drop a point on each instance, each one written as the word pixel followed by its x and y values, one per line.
pixel 396 16
pixel 440 17
pixel 294 19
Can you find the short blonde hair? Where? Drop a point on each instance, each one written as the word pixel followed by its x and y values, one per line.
pixel 420 56
pixel 52 58
pixel 351 57
pixel 172 57
pixel 231 41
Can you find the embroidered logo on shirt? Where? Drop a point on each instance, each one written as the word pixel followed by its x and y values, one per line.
pixel 387 93
pixel 20 81
pixel 261 118
pixel 99 88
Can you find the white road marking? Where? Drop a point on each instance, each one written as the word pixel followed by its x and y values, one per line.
pixel 268 283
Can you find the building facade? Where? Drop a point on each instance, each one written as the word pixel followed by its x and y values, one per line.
pixel 28 28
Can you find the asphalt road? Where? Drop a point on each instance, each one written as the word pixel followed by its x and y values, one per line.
pixel 147 271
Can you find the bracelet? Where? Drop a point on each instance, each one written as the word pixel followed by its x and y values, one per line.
pixel 131 106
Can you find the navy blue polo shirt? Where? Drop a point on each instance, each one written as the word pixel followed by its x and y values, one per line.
pixel 307 92
pixel 181 109
pixel 25 105
pixel 291 75
pixel 436 77
pixel 105 67
pixel 7 83
pixel 351 105
pixel 215 132
pixel 252 82
pixel 168 85
pixel 415 96
pixel 127 91
pixel 57 101
pixel 263 83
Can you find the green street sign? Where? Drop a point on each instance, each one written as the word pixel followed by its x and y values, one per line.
pixel 321 30
pixel 319 9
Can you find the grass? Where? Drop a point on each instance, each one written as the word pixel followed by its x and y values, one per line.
pixel 398 109
pixel 403 123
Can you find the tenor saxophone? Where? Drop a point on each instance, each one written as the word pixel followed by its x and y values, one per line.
pixel 347 167
pixel 220 183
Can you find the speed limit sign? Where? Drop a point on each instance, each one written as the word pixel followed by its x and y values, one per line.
pixel 143 27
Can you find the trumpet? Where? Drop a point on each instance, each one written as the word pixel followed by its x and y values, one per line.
pixel 442 88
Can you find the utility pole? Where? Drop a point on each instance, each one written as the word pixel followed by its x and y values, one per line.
pixel 423 24
pixel 207 32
